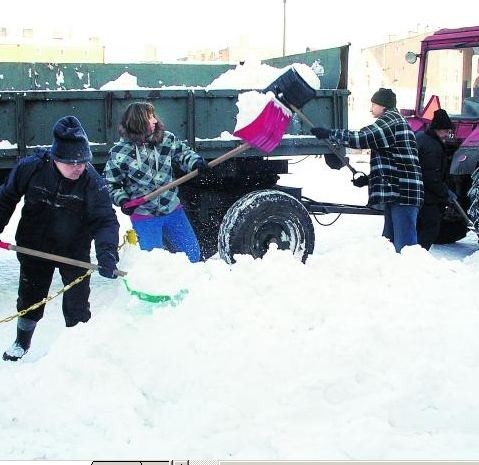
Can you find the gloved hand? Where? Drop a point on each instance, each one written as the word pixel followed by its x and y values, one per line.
pixel 320 133
pixel 126 210
pixel 451 196
pixel 202 166
pixel 360 181
pixel 107 265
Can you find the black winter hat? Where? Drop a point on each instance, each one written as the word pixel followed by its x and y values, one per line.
pixel 441 120
pixel 70 144
pixel 384 97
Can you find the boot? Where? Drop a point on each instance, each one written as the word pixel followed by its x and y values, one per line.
pixel 22 343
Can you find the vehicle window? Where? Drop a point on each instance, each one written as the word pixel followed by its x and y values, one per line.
pixel 453 75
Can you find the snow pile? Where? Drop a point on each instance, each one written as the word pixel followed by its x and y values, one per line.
pixel 125 82
pixel 6 144
pixel 253 75
pixel 250 75
pixel 360 353
pixel 155 272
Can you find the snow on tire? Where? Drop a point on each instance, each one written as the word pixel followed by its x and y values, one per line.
pixel 261 218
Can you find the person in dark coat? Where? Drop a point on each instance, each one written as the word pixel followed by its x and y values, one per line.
pixel 66 206
pixel 433 161
pixel 395 179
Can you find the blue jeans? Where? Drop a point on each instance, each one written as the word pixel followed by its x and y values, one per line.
pixel 400 224
pixel 173 229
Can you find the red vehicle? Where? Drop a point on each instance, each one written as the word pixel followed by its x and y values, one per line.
pixel 448 78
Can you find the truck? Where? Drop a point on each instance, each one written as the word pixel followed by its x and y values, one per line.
pixel 240 208
pixel 448 78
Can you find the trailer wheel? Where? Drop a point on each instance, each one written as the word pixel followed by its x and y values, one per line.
pixel 261 218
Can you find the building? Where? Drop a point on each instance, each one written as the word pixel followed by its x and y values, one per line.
pixel 34 45
pixel 382 65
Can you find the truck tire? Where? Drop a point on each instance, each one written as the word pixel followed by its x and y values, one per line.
pixel 263 217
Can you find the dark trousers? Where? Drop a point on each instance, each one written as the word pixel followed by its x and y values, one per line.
pixel 429 224
pixel 34 283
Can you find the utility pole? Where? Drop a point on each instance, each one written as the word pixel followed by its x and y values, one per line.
pixel 284 27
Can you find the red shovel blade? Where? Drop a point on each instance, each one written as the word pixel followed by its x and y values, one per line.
pixel 267 129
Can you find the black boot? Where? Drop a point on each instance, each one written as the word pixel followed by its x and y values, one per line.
pixel 21 345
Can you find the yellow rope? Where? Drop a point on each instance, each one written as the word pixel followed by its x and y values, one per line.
pixel 129 237
pixel 47 298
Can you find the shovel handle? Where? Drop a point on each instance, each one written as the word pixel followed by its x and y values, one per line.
pixel 469 223
pixel 141 200
pixel 56 258
pixel 331 146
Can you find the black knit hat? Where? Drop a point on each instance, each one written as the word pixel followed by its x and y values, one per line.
pixel 384 97
pixel 441 120
pixel 70 144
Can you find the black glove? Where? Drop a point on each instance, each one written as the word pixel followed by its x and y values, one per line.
pixel 320 133
pixel 126 210
pixel 107 265
pixel 202 166
pixel 360 181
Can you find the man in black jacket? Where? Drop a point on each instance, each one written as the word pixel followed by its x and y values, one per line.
pixel 433 161
pixel 66 206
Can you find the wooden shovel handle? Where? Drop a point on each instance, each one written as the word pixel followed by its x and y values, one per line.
pixel 331 146
pixel 141 200
pixel 56 258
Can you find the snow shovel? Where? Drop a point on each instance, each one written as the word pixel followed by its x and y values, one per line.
pixel 90 266
pixel 292 90
pixel 131 238
pixel 55 258
pixel 264 133
pixel 333 147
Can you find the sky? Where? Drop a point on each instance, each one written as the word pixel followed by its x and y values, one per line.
pixel 359 354
pixel 215 24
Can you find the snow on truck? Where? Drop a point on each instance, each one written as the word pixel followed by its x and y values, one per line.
pixel 240 208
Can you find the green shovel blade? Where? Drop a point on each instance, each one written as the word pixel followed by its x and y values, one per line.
pixel 157 298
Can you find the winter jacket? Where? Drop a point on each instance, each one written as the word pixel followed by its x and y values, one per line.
pixel 395 174
pixel 59 215
pixel 136 170
pixel 432 158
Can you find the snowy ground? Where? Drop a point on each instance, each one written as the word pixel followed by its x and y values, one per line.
pixel 361 353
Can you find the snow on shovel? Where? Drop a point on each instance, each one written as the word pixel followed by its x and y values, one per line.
pixel 261 122
pixel 295 88
pixel 55 258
